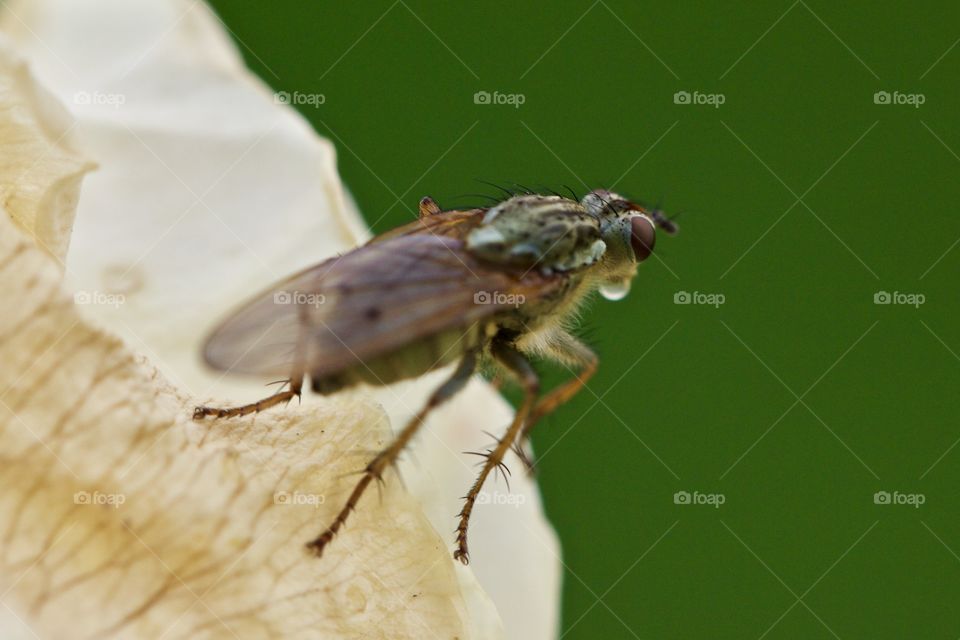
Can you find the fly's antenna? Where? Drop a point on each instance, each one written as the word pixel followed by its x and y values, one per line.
pixel 665 222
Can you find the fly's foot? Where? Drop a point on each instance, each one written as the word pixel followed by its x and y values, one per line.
pixel 317 545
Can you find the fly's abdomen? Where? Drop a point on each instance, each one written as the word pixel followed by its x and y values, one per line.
pixel 409 361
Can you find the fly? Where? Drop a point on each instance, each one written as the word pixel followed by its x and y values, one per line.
pixel 487 286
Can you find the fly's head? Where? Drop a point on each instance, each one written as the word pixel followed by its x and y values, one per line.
pixel 629 232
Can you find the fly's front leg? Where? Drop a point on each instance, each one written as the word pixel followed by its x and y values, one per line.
pixel 572 352
pixel 295 382
pixel 516 363
pixel 389 455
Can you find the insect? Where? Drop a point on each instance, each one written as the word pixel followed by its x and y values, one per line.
pixel 491 286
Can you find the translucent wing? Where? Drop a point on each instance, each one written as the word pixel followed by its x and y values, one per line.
pixel 454 223
pixel 368 302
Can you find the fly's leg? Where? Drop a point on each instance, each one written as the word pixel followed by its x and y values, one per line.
pixel 572 352
pixel 295 382
pixel 388 456
pixel 517 364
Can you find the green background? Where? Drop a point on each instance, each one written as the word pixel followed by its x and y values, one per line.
pixel 798 398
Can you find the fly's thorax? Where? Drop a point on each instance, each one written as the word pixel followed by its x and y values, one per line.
pixel 550 233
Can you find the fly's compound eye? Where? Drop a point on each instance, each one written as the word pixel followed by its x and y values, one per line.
pixel 643 236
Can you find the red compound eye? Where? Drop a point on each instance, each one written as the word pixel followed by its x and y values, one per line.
pixel 643 236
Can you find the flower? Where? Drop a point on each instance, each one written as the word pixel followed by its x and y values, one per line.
pixel 121 516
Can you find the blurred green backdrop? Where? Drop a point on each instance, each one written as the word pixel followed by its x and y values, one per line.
pixel 794 401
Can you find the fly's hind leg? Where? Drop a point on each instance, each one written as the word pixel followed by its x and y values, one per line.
pixel 294 390
pixel 388 456
pixel 569 351
pixel 517 364
pixel 295 381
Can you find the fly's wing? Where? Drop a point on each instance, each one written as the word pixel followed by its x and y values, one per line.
pixel 455 223
pixel 368 302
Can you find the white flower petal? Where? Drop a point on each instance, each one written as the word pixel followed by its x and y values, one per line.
pixel 208 191
pixel 123 518
pixel 40 173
